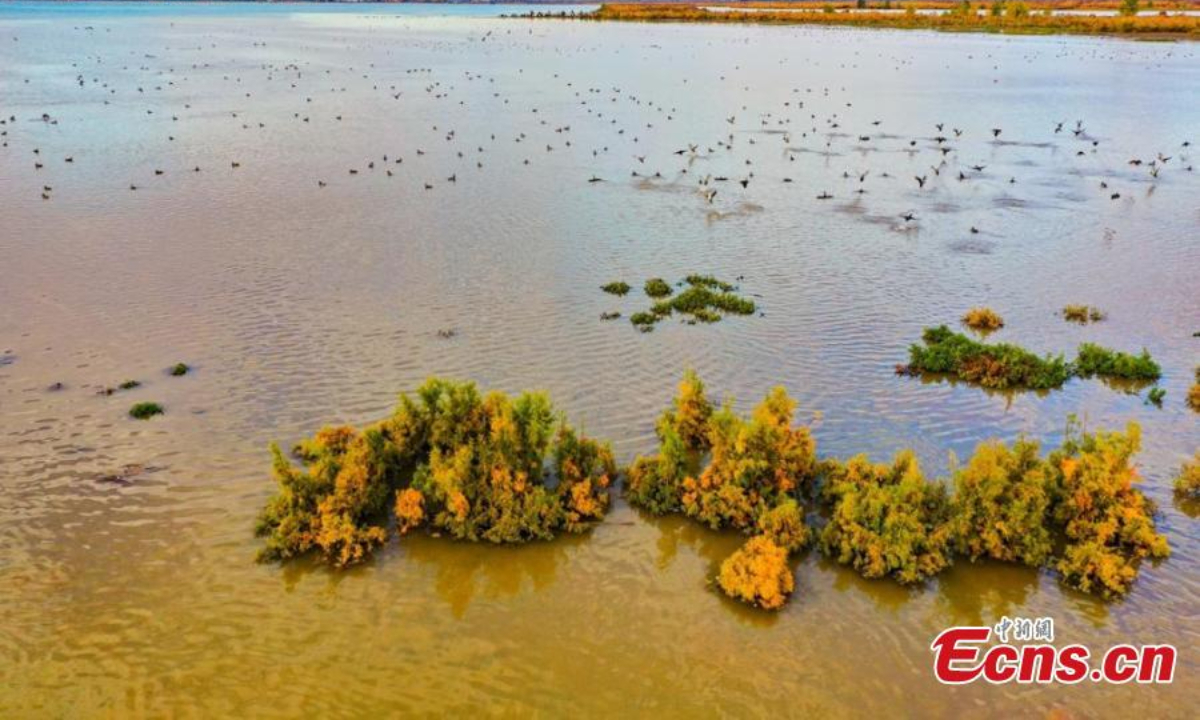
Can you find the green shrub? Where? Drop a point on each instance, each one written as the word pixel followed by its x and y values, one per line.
pixel 657 288
pixel 145 410
pixel 1001 504
pixel 887 520
pixel 1107 523
pixel 784 526
pixel 758 574
pixel 618 288
pixel 755 464
pixel 179 369
pixel 999 366
pixel 476 467
pixel 1096 360
pixel 1187 483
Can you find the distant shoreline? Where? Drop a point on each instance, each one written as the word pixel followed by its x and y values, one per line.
pixel 1035 17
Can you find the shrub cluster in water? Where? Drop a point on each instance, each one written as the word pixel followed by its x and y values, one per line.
pixel 476 467
pixel 1075 510
pixel 1003 366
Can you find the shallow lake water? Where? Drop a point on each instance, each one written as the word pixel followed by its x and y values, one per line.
pixel 303 294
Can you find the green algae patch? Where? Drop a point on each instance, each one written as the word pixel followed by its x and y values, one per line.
pixel 475 467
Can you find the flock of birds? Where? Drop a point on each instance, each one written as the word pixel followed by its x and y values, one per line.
pixel 813 120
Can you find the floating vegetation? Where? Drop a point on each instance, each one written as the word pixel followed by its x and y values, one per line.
pixel 1155 396
pixel 1096 360
pixel 145 410
pixel 1003 366
pixel 887 520
pixel 618 288
pixel 758 574
pixel 657 288
pixel 983 319
pixel 998 366
pixel 1187 482
pixel 1082 314
pixel 1193 396
pixel 179 369
pixel 709 282
pixel 129 385
pixel 479 468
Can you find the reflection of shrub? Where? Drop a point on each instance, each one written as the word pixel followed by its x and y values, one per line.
pixel 474 467
pixel 1001 500
pixel 758 574
pixel 1107 522
pixel 1187 483
pixel 887 520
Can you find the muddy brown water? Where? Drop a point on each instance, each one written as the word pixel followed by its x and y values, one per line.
pixel 299 305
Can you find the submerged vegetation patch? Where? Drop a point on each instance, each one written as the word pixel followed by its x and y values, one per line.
pixel 1075 510
pixel 476 467
pixel 1003 366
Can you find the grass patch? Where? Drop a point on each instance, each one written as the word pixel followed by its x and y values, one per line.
pixel 145 410
pixel 179 370
pixel 1155 396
